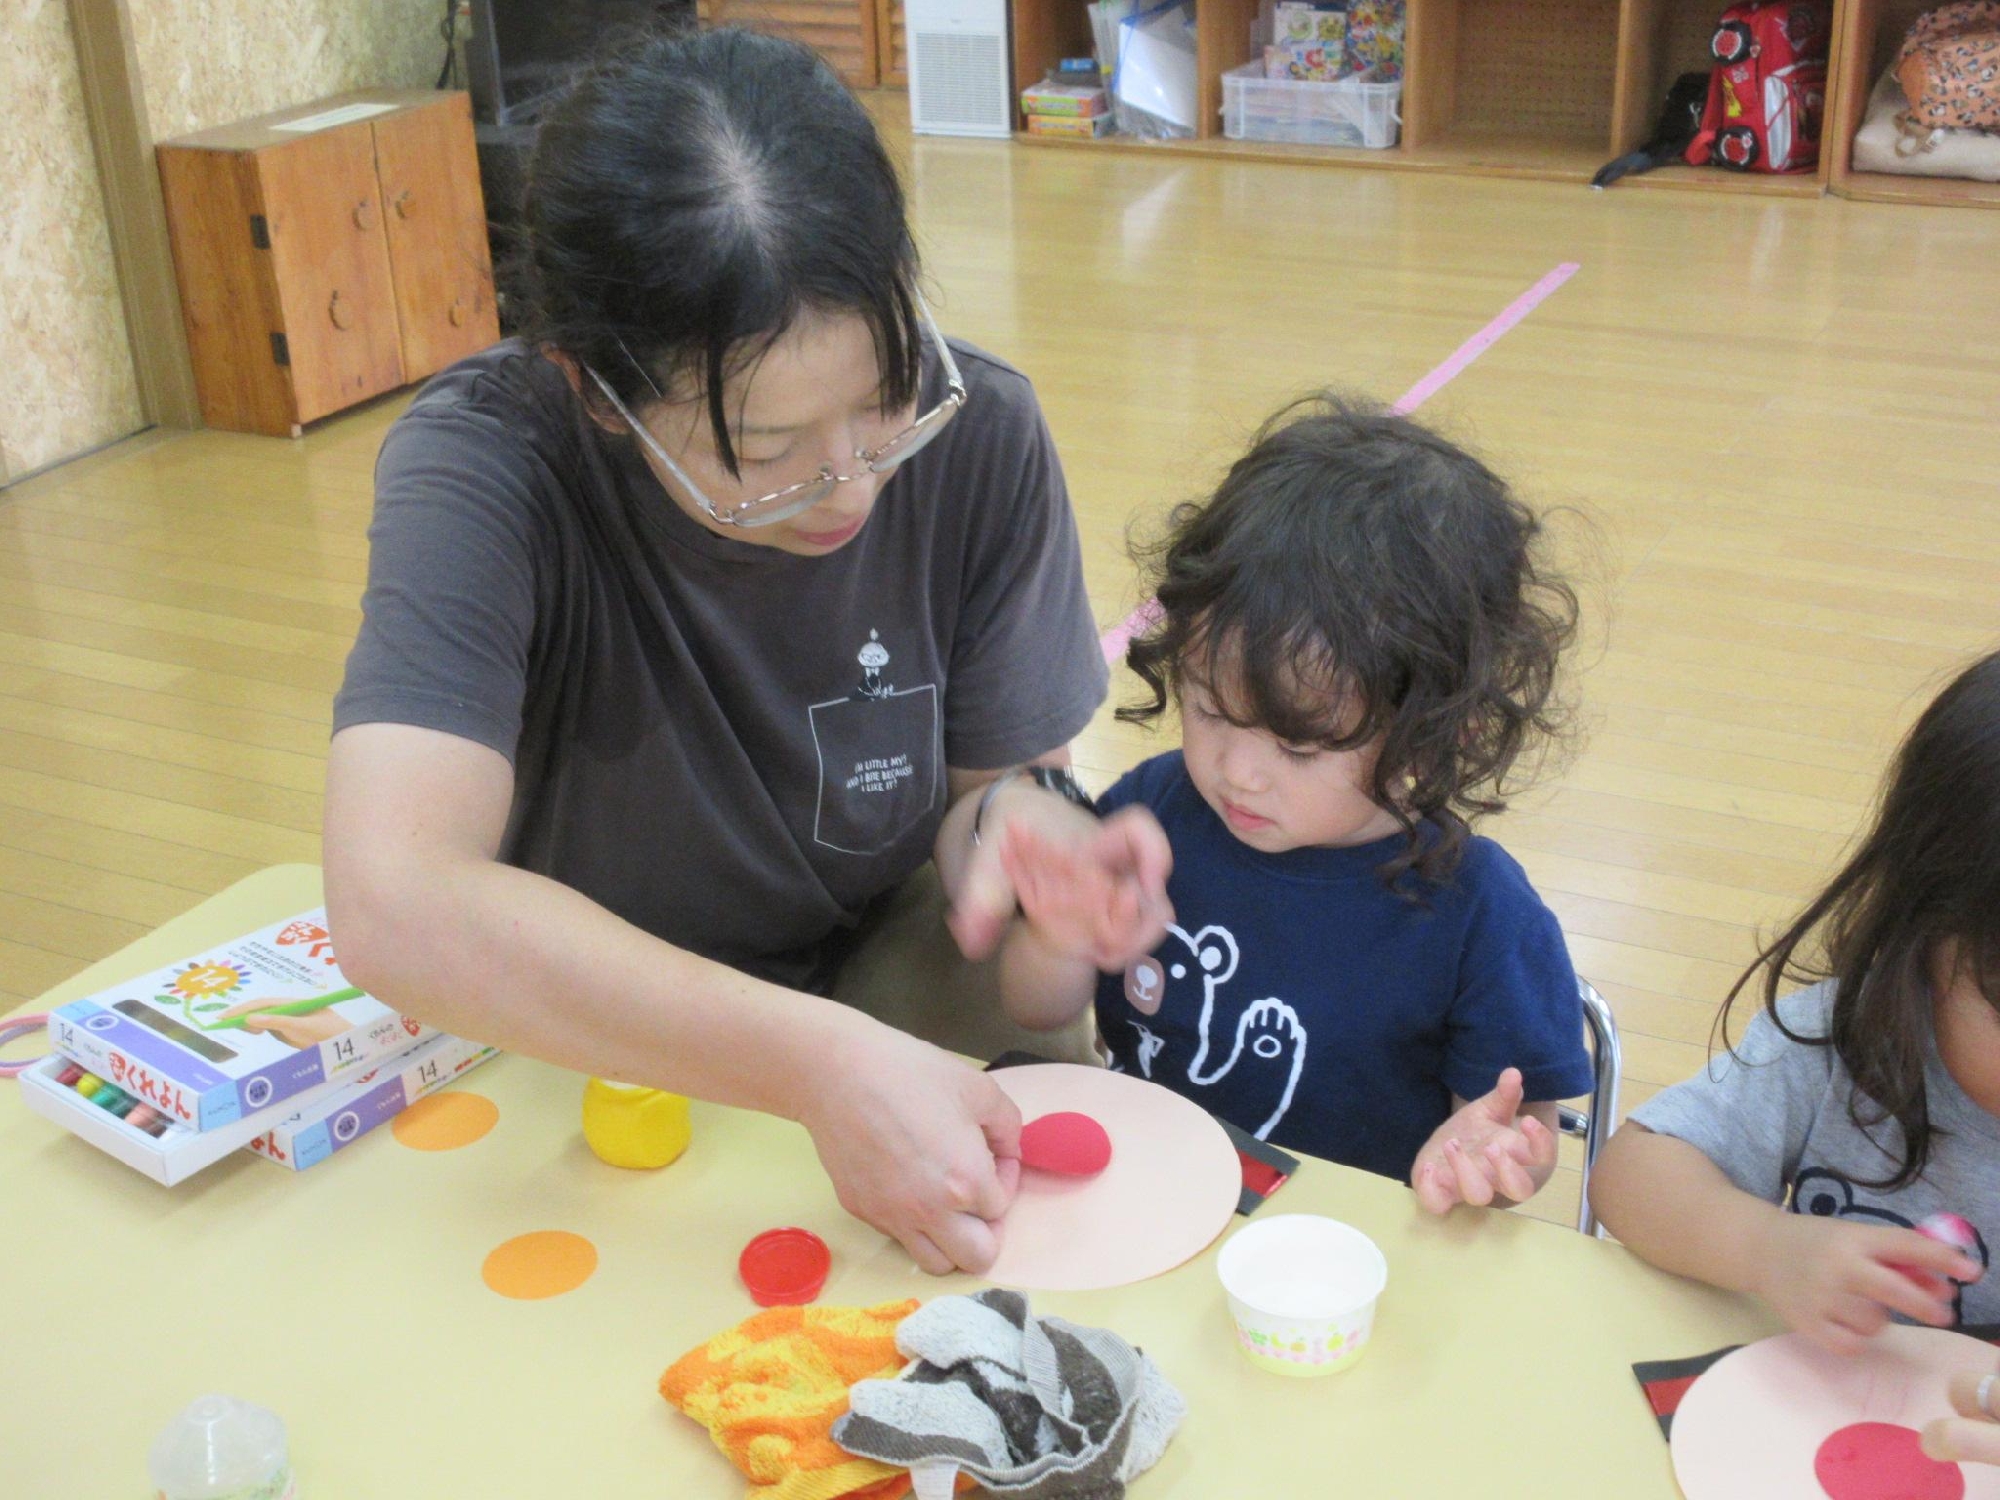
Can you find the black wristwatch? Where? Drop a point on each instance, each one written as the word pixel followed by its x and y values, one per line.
pixel 1058 779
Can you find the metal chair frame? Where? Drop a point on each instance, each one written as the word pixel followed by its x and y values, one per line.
pixel 1607 1060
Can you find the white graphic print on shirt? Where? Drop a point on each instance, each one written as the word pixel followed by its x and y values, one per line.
pixel 880 770
pixel 1265 1040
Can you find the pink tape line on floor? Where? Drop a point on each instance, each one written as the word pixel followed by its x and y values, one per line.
pixel 1118 637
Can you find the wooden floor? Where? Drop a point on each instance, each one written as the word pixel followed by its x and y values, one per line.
pixel 1772 429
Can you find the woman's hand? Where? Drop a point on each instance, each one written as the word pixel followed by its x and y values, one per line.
pixel 1973 1437
pixel 1093 890
pixel 1489 1149
pixel 919 1145
pixel 1837 1282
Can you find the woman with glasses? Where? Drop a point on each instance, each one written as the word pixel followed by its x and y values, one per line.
pixel 704 617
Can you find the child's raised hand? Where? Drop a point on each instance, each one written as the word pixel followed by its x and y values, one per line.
pixel 1837 1282
pixel 1487 1150
pixel 1098 895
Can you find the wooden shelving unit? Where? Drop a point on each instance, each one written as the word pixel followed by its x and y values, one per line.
pixel 1548 89
pixel 1869 32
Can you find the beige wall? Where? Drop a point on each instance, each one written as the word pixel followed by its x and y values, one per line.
pixel 207 62
pixel 68 382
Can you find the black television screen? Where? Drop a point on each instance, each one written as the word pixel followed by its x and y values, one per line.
pixel 520 51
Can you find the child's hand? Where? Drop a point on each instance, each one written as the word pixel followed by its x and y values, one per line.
pixel 1096 895
pixel 1487 1150
pixel 1836 1281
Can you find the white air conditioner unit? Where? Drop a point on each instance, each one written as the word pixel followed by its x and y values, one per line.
pixel 958 67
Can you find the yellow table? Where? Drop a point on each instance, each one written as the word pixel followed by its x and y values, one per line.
pixel 349 1299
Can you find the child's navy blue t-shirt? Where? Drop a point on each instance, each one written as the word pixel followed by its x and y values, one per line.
pixel 1301 999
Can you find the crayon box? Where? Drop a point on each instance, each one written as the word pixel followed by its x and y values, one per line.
pixel 228 1033
pixel 341 1117
pixel 119 1125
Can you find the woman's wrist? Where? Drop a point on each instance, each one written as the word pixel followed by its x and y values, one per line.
pixel 1010 785
pixel 824 1052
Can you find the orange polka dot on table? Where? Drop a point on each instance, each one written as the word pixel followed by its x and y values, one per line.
pixel 444 1122
pixel 546 1263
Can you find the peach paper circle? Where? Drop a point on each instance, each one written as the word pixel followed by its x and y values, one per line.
pixel 546 1263
pixel 1751 1427
pixel 1172 1184
pixel 444 1122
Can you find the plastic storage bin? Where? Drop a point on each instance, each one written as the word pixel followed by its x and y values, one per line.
pixel 1301 113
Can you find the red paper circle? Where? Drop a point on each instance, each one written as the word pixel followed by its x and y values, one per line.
pixel 1882 1461
pixel 1067 1143
pixel 785 1267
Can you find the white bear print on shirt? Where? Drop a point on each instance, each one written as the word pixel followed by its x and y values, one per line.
pixel 1260 1048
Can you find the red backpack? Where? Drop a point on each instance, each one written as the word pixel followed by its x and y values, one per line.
pixel 1767 92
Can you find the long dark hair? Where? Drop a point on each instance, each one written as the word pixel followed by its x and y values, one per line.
pixel 1925 880
pixel 1365 579
pixel 690 197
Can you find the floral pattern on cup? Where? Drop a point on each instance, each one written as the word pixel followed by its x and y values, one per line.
pixel 1313 1349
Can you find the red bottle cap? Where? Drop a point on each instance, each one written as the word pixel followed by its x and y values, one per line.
pixel 785 1267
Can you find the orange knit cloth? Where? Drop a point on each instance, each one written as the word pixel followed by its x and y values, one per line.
pixel 770 1389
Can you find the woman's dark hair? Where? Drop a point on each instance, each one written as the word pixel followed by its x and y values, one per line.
pixel 1925 882
pixel 690 197
pixel 1357 578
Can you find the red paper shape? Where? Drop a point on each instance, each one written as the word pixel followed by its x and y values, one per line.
pixel 1883 1461
pixel 785 1267
pixel 1261 1177
pixel 1066 1143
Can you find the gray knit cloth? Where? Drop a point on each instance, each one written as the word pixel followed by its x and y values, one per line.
pixel 1032 1408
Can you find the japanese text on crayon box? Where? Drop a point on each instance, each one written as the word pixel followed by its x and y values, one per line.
pixel 146 1086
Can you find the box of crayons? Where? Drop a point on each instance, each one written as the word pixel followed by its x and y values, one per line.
pixel 349 1111
pixel 231 1032
pixel 122 1126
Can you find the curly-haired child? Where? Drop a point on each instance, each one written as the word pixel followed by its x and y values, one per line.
pixel 1361 635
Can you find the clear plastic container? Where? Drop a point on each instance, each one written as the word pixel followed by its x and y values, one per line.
pixel 222 1449
pixel 1299 112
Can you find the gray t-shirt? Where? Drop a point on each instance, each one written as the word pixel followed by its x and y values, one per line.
pixel 1774 1116
pixel 731 747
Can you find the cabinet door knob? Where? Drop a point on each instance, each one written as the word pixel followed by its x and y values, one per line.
pixel 459 313
pixel 364 214
pixel 340 313
pixel 403 208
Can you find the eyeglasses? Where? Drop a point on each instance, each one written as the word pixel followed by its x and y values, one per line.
pixel 796 499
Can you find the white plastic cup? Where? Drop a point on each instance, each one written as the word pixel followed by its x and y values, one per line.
pixel 1302 1290
pixel 222 1449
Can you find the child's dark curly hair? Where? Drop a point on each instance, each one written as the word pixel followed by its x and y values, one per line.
pixel 1360 579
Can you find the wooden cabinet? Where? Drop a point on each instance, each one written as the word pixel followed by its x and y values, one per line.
pixel 841 31
pixel 329 253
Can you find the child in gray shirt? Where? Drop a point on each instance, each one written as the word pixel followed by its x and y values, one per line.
pixel 1799 1166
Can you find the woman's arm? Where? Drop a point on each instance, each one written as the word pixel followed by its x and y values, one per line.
pixel 1091 894
pixel 430 921
pixel 1091 887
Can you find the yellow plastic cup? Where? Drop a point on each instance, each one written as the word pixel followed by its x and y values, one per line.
pixel 630 1126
